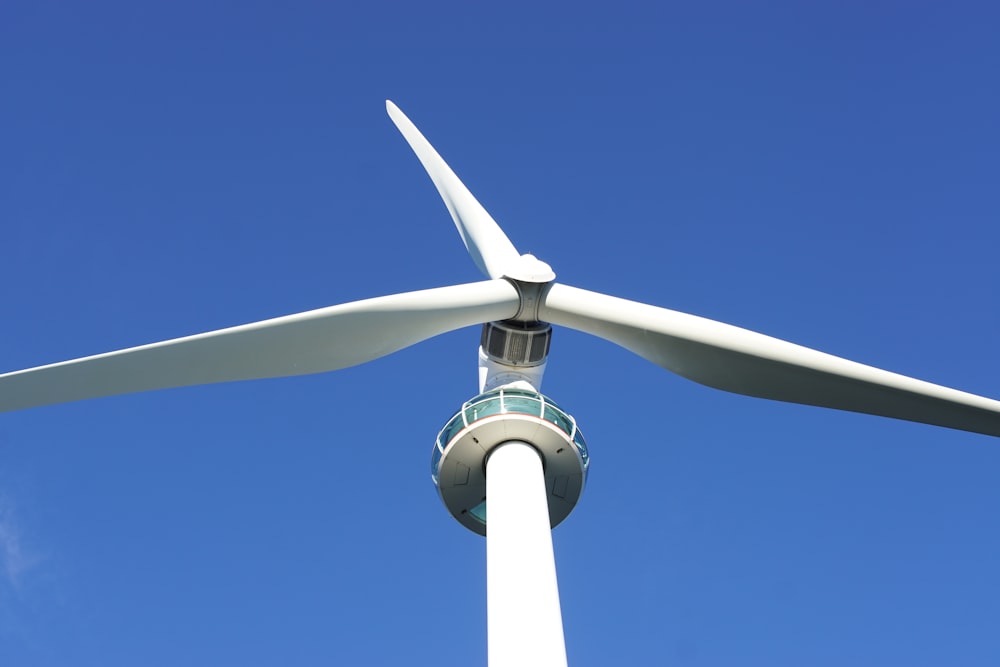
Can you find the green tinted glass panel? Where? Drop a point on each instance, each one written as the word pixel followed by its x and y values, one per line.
pixel 449 431
pixel 435 459
pixel 558 418
pixel 522 405
pixel 479 511
pixel 481 409
pixel 549 401
pixel 581 444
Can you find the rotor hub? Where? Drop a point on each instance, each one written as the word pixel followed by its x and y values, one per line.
pixel 529 269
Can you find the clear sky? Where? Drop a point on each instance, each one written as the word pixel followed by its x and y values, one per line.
pixel 821 172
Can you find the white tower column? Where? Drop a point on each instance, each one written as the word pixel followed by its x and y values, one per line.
pixel 523 615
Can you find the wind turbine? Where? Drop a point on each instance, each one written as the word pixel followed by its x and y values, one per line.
pixel 509 443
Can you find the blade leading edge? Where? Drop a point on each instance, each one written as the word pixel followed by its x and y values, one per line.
pixel 744 362
pixel 311 342
pixel 489 247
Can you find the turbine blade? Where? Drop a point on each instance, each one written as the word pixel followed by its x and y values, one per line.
pixel 741 361
pixel 311 342
pixel 489 247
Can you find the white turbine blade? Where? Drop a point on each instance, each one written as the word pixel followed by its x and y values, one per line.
pixel 744 362
pixel 311 342
pixel 490 248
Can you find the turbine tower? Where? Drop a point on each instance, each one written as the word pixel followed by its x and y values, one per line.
pixel 509 444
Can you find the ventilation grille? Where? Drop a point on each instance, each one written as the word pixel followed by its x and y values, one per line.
pixel 517 343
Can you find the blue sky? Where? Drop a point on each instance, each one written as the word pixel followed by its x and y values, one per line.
pixel 824 174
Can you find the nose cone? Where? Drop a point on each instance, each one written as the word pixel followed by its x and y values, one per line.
pixel 530 269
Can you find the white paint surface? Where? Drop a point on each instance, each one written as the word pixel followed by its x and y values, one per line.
pixel 524 618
